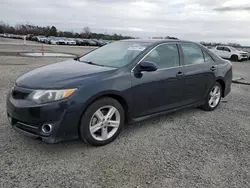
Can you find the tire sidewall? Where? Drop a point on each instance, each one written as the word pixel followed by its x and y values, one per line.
pixel 86 117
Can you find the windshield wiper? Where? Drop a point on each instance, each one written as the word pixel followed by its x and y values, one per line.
pixel 91 63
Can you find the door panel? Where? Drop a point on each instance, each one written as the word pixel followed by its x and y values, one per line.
pixel 220 52
pixel 162 89
pixel 199 72
pixel 157 91
pixel 227 52
pixel 199 78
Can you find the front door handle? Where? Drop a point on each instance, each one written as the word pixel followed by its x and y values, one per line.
pixel 213 68
pixel 179 74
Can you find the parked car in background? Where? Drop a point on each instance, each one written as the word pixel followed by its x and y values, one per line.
pixel 85 42
pixel 60 41
pixel 229 52
pixel 34 38
pixel 47 40
pixel 51 40
pixel 90 42
pixel 108 41
pixel 98 42
pixel 41 39
pixel 37 38
pixel 92 97
pixel 5 35
pixel 29 36
pixel 78 41
pixel 70 41
pixel 82 42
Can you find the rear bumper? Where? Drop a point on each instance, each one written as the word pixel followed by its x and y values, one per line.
pixel 228 82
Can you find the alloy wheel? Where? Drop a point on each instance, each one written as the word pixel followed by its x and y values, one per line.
pixel 104 123
pixel 214 96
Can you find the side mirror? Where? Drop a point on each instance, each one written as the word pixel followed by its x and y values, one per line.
pixel 147 66
pixel 77 58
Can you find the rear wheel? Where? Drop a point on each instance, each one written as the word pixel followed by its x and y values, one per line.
pixel 102 122
pixel 213 98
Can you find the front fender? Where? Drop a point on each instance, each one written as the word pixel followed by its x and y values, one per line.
pixel 113 86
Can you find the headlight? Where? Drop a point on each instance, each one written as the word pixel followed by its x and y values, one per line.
pixel 44 96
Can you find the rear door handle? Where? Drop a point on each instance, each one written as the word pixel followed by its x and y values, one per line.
pixel 179 74
pixel 213 68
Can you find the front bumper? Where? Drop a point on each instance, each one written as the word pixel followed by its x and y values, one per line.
pixel 61 43
pixel 243 57
pixel 27 118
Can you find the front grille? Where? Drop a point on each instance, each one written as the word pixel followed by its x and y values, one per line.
pixel 19 95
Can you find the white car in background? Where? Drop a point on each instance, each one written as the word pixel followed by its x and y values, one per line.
pixel 229 52
pixel 70 41
pixel 53 41
pixel 60 41
pixel 41 39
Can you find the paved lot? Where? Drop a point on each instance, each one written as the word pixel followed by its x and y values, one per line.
pixel 14 46
pixel 190 148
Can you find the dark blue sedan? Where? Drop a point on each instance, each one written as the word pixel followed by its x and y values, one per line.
pixel 92 97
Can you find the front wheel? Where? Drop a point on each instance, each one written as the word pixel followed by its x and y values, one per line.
pixel 234 58
pixel 102 122
pixel 213 98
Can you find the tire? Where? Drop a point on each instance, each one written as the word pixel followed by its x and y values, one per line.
pixel 208 106
pixel 93 118
pixel 234 58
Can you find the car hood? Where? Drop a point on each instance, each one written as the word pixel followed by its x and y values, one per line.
pixel 62 75
pixel 239 51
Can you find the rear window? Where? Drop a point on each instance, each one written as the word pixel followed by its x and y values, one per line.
pixel 192 54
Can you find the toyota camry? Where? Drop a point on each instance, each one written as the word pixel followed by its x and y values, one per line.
pixel 93 96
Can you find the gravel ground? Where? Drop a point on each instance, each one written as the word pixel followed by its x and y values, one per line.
pixel 241 70
pixel 189 148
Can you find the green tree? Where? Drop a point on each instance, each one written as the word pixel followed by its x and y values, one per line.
pixel 1 29
pixel 53 31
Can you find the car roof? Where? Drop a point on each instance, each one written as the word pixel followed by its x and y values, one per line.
pixel 155 41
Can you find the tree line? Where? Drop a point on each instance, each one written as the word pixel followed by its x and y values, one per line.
pixel 25 29
pixel 218 44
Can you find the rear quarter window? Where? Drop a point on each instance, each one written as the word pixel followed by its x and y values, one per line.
pixel 207 57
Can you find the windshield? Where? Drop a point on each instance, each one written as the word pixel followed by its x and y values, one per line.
pixel 117 54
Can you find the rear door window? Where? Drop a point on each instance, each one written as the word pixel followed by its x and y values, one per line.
pixel 220 48
pixel 192 54
pixel 227 49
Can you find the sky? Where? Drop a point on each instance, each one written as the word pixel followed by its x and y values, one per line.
pixel 196 20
